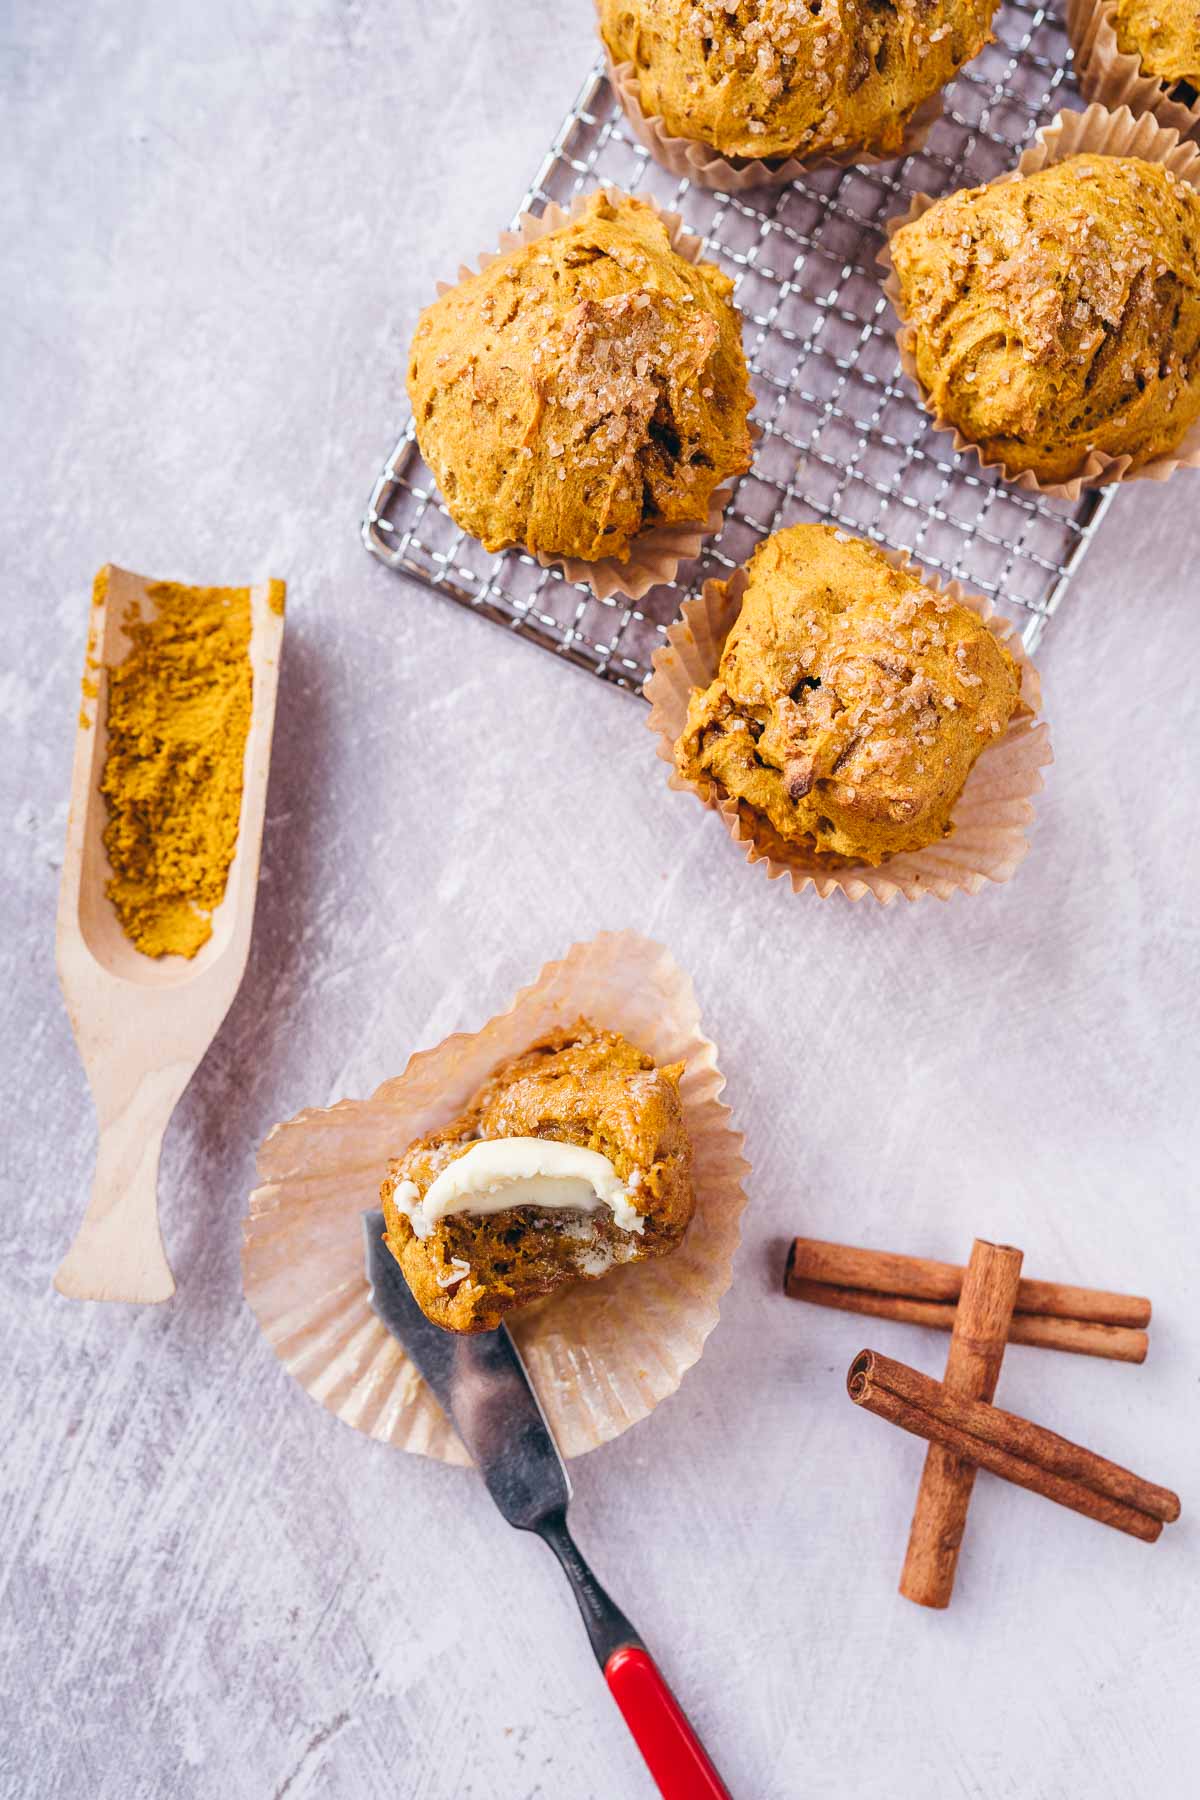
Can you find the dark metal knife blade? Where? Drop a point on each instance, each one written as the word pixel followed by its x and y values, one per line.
pixel 480 1383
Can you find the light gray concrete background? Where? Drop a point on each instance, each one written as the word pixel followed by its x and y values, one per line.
pixel 219 223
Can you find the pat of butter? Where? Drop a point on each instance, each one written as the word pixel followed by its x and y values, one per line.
pixel 499 1173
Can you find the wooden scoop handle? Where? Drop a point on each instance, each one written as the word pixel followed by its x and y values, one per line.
pixel 118 1250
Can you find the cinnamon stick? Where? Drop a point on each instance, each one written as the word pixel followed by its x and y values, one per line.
pixel 888 1286
pixel 1083 1337
pixel 981 1326
pixel 1014 1448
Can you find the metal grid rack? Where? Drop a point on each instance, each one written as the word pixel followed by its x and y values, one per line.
pixel 844 439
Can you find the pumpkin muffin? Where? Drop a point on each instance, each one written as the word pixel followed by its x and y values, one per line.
pixel 1164 35
pixel 1059 313
pixel 851 701
pixel 584 388
pixel 572 1158
pixel 778 78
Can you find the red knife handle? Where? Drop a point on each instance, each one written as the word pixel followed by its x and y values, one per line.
pixel 674 1754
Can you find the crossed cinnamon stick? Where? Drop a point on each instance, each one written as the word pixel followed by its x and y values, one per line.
pixel 919 1291
pixel 1015 1448
pixel 983 1306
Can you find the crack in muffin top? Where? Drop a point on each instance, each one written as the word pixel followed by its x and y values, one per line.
pixel 851 701
pixel 1059 313
pixel 584 388
pixel 773 78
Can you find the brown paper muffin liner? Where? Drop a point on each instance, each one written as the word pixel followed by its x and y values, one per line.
pixel 601 1355
pixel 988 838
pixel 693 160
pixel 1102 133
pixel 1113 77
pixel 655 555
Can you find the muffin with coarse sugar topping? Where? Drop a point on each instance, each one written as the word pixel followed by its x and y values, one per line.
pixel 850 703
pixel 583 390
pixel 792 78
pixel 1057 314
pixel 1164 35
pixel 571 1159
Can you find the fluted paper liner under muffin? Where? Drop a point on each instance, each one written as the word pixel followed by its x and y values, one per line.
pixel 654 555
pixel 1114 77
pixel 693 160
pixel 602 1354
pixel 1095 131
pixel 989 818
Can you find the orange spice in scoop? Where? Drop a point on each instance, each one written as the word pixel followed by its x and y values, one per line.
pixel 179 708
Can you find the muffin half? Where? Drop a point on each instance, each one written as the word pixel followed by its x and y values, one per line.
pixel 571 1159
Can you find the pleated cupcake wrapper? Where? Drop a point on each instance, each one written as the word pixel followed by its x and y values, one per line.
pixel 601 1355
pixel 1113 77
pixel 693 160
pixel 655 555
pixel 1098 132
pixel 988 839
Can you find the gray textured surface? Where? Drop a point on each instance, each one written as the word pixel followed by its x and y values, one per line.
pixel 219 224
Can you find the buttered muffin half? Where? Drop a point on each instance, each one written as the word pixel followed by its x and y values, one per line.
pixel 572 1158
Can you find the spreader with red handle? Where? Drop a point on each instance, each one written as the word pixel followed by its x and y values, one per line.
pixel 480 1382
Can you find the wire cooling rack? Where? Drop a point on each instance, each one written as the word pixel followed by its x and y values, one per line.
pixel 844 439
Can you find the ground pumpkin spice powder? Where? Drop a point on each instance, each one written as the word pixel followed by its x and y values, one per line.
pixel 179 708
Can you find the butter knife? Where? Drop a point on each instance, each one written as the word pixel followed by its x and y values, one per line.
pixel 480 1382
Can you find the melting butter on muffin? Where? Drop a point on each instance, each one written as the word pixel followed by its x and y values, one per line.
pixel 571 1159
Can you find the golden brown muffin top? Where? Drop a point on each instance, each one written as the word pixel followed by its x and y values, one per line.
pixel 851 700
pixel 1164 35
pixel 578 1084
pixel 1059 312
pixel 584 388
pixel 792 77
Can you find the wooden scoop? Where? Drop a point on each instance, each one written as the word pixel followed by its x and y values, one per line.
pixel 143 1023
